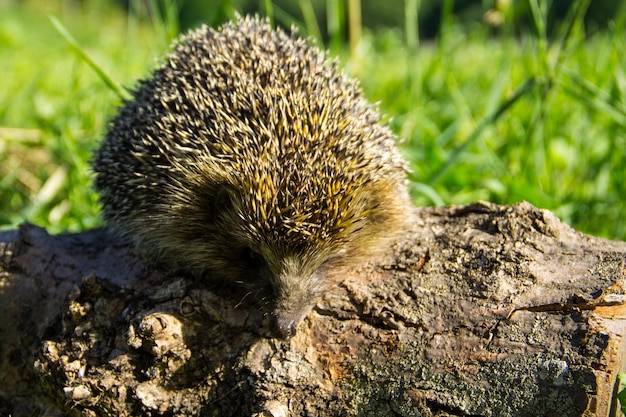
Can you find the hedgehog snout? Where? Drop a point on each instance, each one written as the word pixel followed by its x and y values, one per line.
pixel 283 327
pixel 297 286
pixel 285 322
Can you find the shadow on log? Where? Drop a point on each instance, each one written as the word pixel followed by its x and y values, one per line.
pixel 482 311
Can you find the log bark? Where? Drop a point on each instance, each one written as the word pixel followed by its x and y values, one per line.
pixel 482 310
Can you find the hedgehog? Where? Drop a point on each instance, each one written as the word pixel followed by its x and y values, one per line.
pixel 249 157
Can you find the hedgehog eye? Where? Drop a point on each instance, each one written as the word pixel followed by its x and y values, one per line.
pixel 253 257
pixel 223 199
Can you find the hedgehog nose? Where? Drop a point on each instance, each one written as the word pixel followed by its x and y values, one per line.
pixel 284 328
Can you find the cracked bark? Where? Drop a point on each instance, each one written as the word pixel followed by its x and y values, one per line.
pixel 482 311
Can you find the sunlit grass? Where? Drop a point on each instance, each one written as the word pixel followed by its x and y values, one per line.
pixel 504 119
pixel 54 108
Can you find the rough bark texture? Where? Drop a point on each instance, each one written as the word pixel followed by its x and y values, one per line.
pixel 482 311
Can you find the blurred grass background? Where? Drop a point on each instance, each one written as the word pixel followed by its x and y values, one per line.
pixel 500 100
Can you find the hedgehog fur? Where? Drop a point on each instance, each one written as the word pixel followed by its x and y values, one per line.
pixel 249 157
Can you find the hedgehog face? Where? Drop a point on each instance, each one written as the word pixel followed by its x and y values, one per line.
pixel 300 284
pixel 293 255
pixel 302 255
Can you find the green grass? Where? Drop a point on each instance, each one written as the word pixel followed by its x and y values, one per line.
pixel 503 119
pixel 54 108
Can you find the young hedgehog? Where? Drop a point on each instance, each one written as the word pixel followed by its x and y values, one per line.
pixel 249 157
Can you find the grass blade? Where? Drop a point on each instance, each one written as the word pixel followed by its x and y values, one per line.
pixel 310 20
pixel 334 18
pixel 171 18
pixel 80 52
pixel 269 11
pixel 489 120
pixel 539 14
pixel 354 25
pixel 577 16
pixel 595 98
pixel 411 22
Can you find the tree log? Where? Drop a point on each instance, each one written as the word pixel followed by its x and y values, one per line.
pixel 482 310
